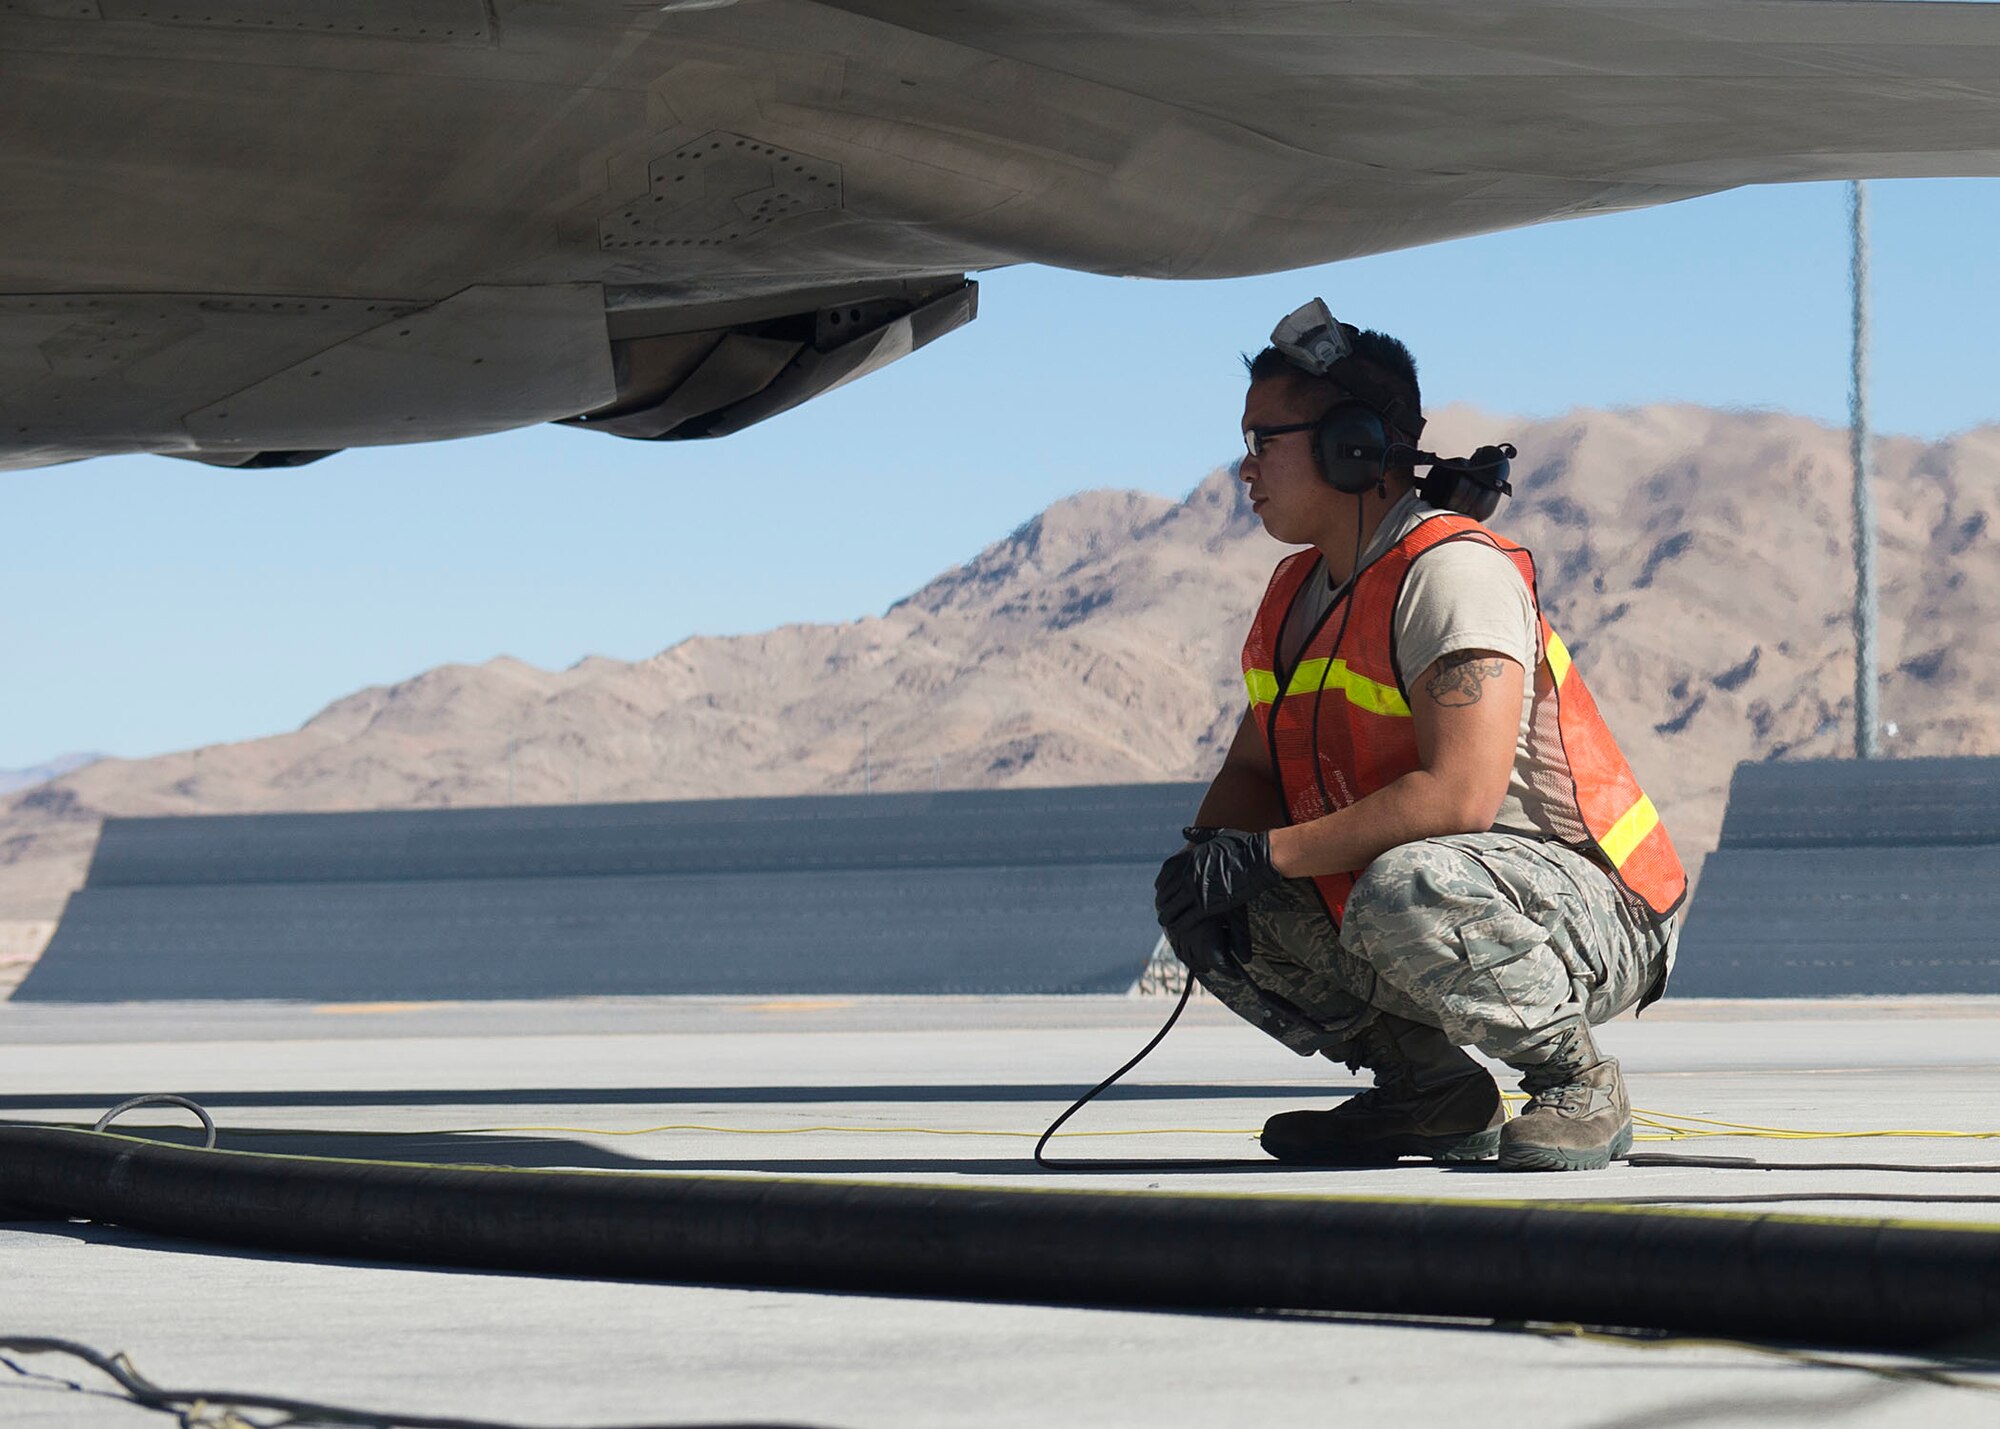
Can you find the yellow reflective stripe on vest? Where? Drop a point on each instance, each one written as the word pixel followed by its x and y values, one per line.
pixel 1313 675
pixel 1370 695
pixel 1557 654
pixel 1631 829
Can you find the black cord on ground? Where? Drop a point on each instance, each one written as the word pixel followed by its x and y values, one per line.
pixel 1042 1160
pixel 163 1099
pixel 200 1405
pixel 1940 1367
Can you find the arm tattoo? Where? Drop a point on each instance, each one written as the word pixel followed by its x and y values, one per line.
pixel 1461 677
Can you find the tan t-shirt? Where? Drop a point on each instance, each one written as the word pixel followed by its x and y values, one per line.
pixel 1462 595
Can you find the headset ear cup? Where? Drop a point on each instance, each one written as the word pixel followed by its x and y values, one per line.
pixel 1472 498
pixel 1353 448
pixel 1451 487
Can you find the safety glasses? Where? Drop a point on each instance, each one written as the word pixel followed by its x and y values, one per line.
pixel 1255 437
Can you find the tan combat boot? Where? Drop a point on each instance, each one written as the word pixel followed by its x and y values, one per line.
pixel 1429 1099
pixel 1577 1118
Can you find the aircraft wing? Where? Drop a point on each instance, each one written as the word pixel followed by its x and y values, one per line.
pixel 1311 130
pixel 251 232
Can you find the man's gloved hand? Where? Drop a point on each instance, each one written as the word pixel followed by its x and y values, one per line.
pixel 1219 870
pixel 1213 945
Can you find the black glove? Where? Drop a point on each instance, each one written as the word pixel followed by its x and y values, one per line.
pixel 1213 945
pixel 1220 869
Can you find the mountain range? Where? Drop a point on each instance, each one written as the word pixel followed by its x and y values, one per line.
pixel 1696 561
pixel 13 779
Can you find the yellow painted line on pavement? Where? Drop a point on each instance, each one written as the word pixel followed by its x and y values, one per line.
pixel 354 1009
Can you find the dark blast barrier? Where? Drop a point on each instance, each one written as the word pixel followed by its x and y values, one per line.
pixel 964 892
pixel 1839 877
pixel 1869 1283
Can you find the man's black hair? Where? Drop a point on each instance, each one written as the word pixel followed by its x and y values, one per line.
pixel 1387 356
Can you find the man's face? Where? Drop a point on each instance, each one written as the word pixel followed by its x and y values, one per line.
pixel 1287 491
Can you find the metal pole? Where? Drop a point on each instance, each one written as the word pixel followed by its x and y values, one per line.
pixel 1867 740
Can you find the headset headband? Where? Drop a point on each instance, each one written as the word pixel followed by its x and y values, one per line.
pixel 1320 345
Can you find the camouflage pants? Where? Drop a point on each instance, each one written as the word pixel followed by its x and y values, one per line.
pixel 1498 939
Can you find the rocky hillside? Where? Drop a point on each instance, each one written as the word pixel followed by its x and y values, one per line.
pixel 1696 562
pixel 13 779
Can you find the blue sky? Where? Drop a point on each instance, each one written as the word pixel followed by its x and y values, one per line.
pixel 152 605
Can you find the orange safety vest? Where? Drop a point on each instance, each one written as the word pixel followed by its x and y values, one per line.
pixel 1338 723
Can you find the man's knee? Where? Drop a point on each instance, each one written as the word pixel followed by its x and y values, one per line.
pixel 1288 923
pixel 1415 892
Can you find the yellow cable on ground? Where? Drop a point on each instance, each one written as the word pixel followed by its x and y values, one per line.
pixel 1709 1126
pixel 1663 1126
pixel 848 1130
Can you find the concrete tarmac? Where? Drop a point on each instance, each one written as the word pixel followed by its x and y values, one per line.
pixel 948 1090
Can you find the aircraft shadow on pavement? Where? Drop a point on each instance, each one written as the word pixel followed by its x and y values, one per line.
pixel 551 1152
pixel 468 1148
pixel 429 1148
pixel 1056 1093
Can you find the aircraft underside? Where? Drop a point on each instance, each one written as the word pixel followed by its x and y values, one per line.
pixel 251 232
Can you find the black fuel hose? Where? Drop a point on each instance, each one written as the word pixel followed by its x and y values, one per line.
pixel 1872 1283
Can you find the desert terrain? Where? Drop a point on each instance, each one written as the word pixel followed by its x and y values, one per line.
pixel 1696 561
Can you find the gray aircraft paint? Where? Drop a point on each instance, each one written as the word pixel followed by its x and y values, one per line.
pixel 223 216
